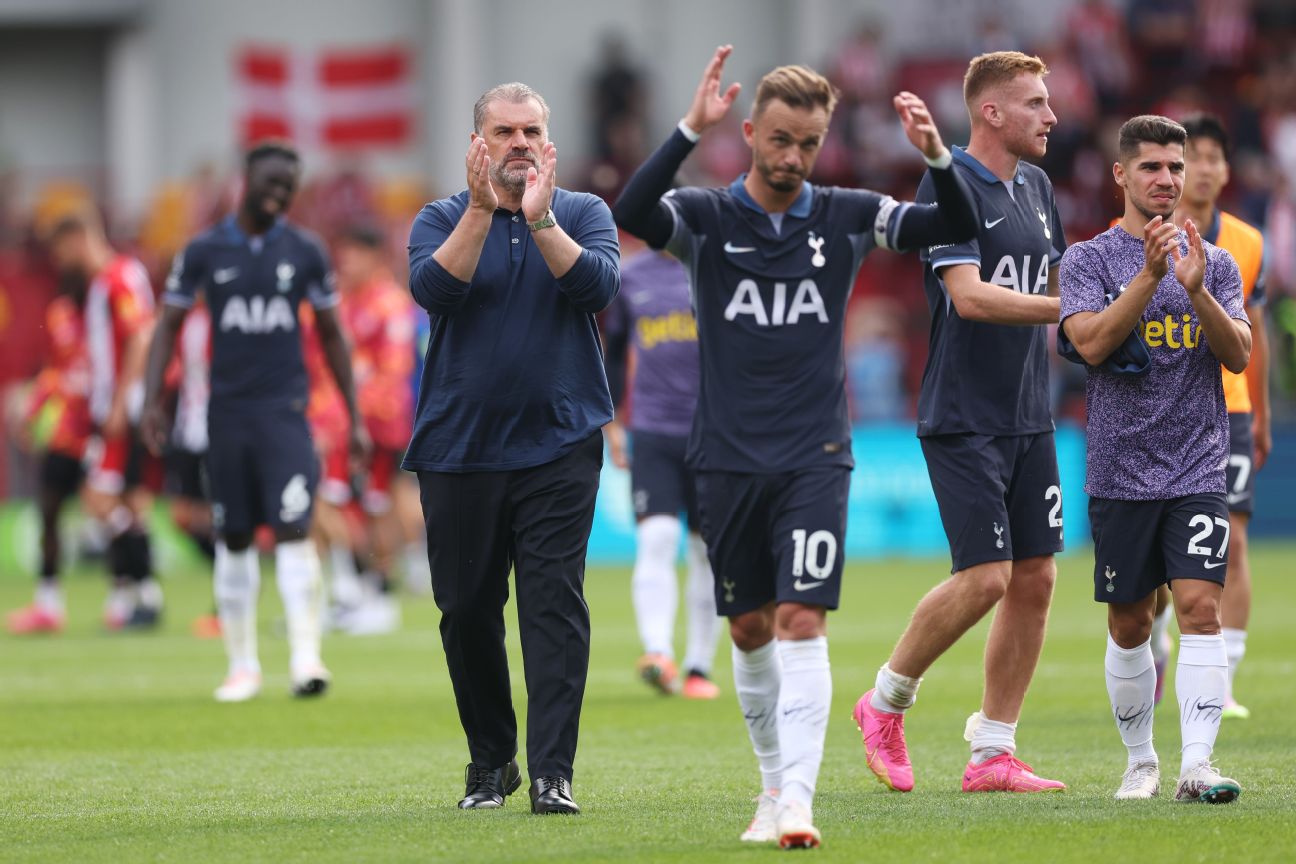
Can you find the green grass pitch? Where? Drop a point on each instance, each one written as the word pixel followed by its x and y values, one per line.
pixel 111 748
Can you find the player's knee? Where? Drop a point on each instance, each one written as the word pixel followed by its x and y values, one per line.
pixel 987 582
pixel 795 621
pixel 752 630
pixel 1033 580
pixel 1199 614
pixel 1130 624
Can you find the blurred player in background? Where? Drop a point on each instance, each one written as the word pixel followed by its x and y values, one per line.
pixel 986 430
pixel 1247 395
pixel 254 269
pixel 772 260
pixel 118 323
pixel 57 425
pixel 186 484
pixel 379 316
pixel 652 360
pixel 1157 447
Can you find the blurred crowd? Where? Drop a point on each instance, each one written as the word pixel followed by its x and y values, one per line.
pixel 1107 62
pixel 1235 58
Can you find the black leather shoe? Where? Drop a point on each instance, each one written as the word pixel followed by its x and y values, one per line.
pixel 552 795
pixel 486 788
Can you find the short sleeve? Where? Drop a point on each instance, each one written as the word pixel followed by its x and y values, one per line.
pixel 186 278
pixel 321 286
pixel 1081 283
pixel 967 252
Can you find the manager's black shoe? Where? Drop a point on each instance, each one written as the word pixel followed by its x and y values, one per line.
pixel 552 795
pixel 486 788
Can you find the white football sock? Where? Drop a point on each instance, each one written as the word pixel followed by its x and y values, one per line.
pixel 805 698
pixel 653 585
pixel 1131 686
pixel 236 583
pixel 1160 627
pixel 49 596
pixel 297 570
pixel 894 692
pixel 1235 650
pixel 703 625
pixel 345 582
pixel 1201 682
pixel 757 675
pixel 991 738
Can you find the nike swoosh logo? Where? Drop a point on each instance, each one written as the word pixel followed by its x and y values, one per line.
pixel 1131 717
pixel 229 274
pixel 734 250
pixel 1211 565
pixel 805 586
pixel 990 224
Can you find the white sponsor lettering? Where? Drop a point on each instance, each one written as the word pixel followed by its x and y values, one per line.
pixel 747 301
pixel 257 315
pixel 1007 275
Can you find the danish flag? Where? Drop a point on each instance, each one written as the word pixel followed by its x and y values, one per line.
pixel 335 98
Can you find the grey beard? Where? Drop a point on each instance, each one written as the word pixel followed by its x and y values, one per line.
pixel 513 182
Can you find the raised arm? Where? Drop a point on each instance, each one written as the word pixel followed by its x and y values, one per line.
pixel 951 219
pixel 639 209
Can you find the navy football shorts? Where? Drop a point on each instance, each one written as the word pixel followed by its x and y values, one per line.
pixel 61 475
pixel 999 496
pixel 262 468
pixel 1141 545
pixel 662 483
pixel 1241 461
pixel 186 474
pixel 775 537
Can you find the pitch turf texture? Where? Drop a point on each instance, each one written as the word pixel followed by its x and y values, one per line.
pixel 111 748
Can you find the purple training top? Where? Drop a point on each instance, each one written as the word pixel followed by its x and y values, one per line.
pixel 1164 434
pixel 655 307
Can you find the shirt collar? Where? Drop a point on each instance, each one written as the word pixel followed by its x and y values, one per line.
pixel 800 207
pixel 236 233
pixel 961 156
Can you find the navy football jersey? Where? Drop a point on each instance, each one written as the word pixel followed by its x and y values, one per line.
pixel 770 302
pixel 981 378
pixel 253 286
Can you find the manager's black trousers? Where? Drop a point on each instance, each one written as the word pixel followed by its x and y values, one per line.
pixel 537 521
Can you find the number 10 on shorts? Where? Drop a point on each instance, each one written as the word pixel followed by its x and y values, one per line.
pixel 813 555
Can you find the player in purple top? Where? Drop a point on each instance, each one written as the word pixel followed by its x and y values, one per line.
pixel 651 333
pixel 1157 449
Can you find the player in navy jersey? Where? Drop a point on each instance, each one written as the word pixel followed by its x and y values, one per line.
pixel 254 269
pixel 771 260
pixel 1157 449
pixel 987 433
pixel 652 347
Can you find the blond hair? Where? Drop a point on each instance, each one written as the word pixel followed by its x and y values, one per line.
pixel 996 69
pixel 797 87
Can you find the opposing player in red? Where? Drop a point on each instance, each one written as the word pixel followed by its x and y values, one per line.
pixel 118 325
pixel 57 425
pixel 379 316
